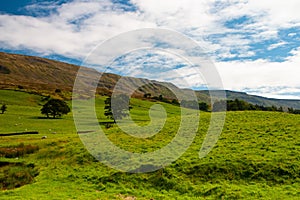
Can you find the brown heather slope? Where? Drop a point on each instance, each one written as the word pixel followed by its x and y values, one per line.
pixel 44 76
pixel 35 73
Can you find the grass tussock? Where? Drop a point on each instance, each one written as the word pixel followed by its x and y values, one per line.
pixel 14 175
pixel 18 151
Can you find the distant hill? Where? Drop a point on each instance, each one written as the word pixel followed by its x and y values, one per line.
pixel 253 99
pixel 46 76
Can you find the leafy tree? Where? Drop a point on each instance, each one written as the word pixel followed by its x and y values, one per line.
pixel 175 102
pixel 3 108
pixel 203 106
pixel 296 112
pixel 189 104
pixel 119 108
pixel 237 105
pixel 293 111
pixel 290 110
pixel 147 95
pixel 219 106
pixel 54 108
pixel 160 97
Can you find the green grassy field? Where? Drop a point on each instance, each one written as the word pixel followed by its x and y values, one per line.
pixel 257 157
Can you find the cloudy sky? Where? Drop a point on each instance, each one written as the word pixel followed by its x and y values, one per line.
pixel 254 44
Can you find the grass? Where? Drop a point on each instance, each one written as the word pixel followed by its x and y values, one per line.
pixel 256 157
pixel 22 99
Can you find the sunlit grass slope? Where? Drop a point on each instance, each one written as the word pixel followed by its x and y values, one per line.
pixel 257 156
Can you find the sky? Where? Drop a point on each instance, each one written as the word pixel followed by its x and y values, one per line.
pixel 254 44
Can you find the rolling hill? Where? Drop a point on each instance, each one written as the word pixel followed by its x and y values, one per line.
pixel 45 76
pixel 253 99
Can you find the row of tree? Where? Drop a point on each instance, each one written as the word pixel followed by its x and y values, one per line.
pixel 185 103
pixel 195 105
pixel 240 105
pixel 121 106
pixel 223 105
pixel 56 107
pixel 293 111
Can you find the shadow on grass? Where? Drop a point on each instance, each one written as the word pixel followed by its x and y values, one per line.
pixel 42 117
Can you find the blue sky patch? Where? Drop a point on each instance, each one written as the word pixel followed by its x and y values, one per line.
pixel 237 22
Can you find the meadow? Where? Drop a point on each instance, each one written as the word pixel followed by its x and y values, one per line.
pixel 256 157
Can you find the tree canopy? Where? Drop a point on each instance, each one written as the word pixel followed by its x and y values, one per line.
pixel 119 109
pixel 55 108
pixel 240 105
pixel 3 108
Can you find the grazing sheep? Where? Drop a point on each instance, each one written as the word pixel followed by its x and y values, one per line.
pixel 44 137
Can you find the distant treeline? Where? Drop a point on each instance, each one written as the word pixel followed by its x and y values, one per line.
pixel 184 103
pixel 291 110
pixel 229 105
pixel 240 105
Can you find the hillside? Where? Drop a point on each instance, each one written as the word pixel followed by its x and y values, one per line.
pixel 256 157
pixel 45 76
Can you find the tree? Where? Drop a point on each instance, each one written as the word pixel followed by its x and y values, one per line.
pixel 293 111
pixel 290 110
pixel 219 106
pixel 160 97
pixel 54 108
pixel 296 112
pixel 190 104
pixel 119 108
pixel 175 102
pixel 3 108
pixel 147 95
pixel 203 106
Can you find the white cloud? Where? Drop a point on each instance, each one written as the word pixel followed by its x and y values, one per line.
pixel 263 76
pixel 292 34
pixel 74 28
pixel 276 45
pixel 266 14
